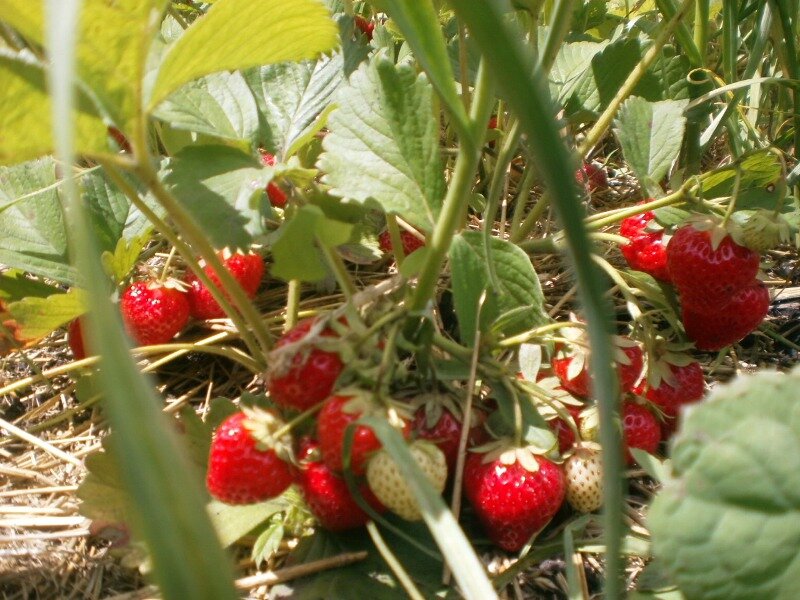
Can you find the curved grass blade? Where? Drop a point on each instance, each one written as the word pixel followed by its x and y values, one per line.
pixel 512 65
pixel 188 561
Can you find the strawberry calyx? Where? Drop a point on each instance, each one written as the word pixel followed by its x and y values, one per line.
pixel 508 454
pixel 269 432
pixel 717 229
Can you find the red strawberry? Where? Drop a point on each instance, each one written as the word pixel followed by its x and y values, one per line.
pixel 707 275
pixel 647 251
pixel 311 374
pixel 240 469
pixel 640 429
pixel 153 312
pixel 575 383
pixel 592 177
pixel 730 323
pixel 687 386
pixel 574 376
pixel 328 497
pixel 445 431
pixel 336 414
pixel 565 432
pixel 277 197
pixel 247 269
pixel 410 242
pixel 75 339
pixel 513 497
pixel 366 27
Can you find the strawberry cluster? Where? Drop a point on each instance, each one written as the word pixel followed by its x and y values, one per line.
pixel 154 311
pixel 722 300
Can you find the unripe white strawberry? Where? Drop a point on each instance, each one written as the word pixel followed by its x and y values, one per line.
pixel 390 487
pixel 583 472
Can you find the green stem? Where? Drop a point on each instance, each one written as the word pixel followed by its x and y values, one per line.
pixel 684 36
pixel 292 304
pixel 185 250
pixel 792 63
pixel 457 198
pixel 523 191
pixel 396 567
pixel 604 121
pixel 559 27
pixel 463 65
pixel 339 269
pixel 596 222
pixel 397 242
pixel 701 17
pixel 531 218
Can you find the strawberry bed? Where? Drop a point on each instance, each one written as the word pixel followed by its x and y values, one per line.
pixel 377 301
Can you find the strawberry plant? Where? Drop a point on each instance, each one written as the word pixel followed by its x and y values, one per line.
pixel 416 288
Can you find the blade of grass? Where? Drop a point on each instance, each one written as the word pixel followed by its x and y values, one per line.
pixel 187 559
pixel 512 64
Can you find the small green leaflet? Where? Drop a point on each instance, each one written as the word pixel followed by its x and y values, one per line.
pixel 651 135
pixel 517 286
pixel 714 536
pixel 297 250
pixel 383 145
pixel 233 522
pixel 37 317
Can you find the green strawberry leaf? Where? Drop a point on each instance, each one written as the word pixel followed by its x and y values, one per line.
pixel 571 78
pixel 223 189
pixel 37 317
pixel 14 286
pixel 516 301
pixel 26 115
pixel 651 135
pixel 761 181
pixel 298 248
pixel 113 45
pixel 197 436
pixel 716 537
pixel 102 494
pixel 420 25
pixel 33 235
pixel 118 264
pixel 114 217
pixel 220 105
pixel 296 97
pixel 587 75
pixel 267 543
pixel 233 522
pixel 239 34
pixel 383 145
